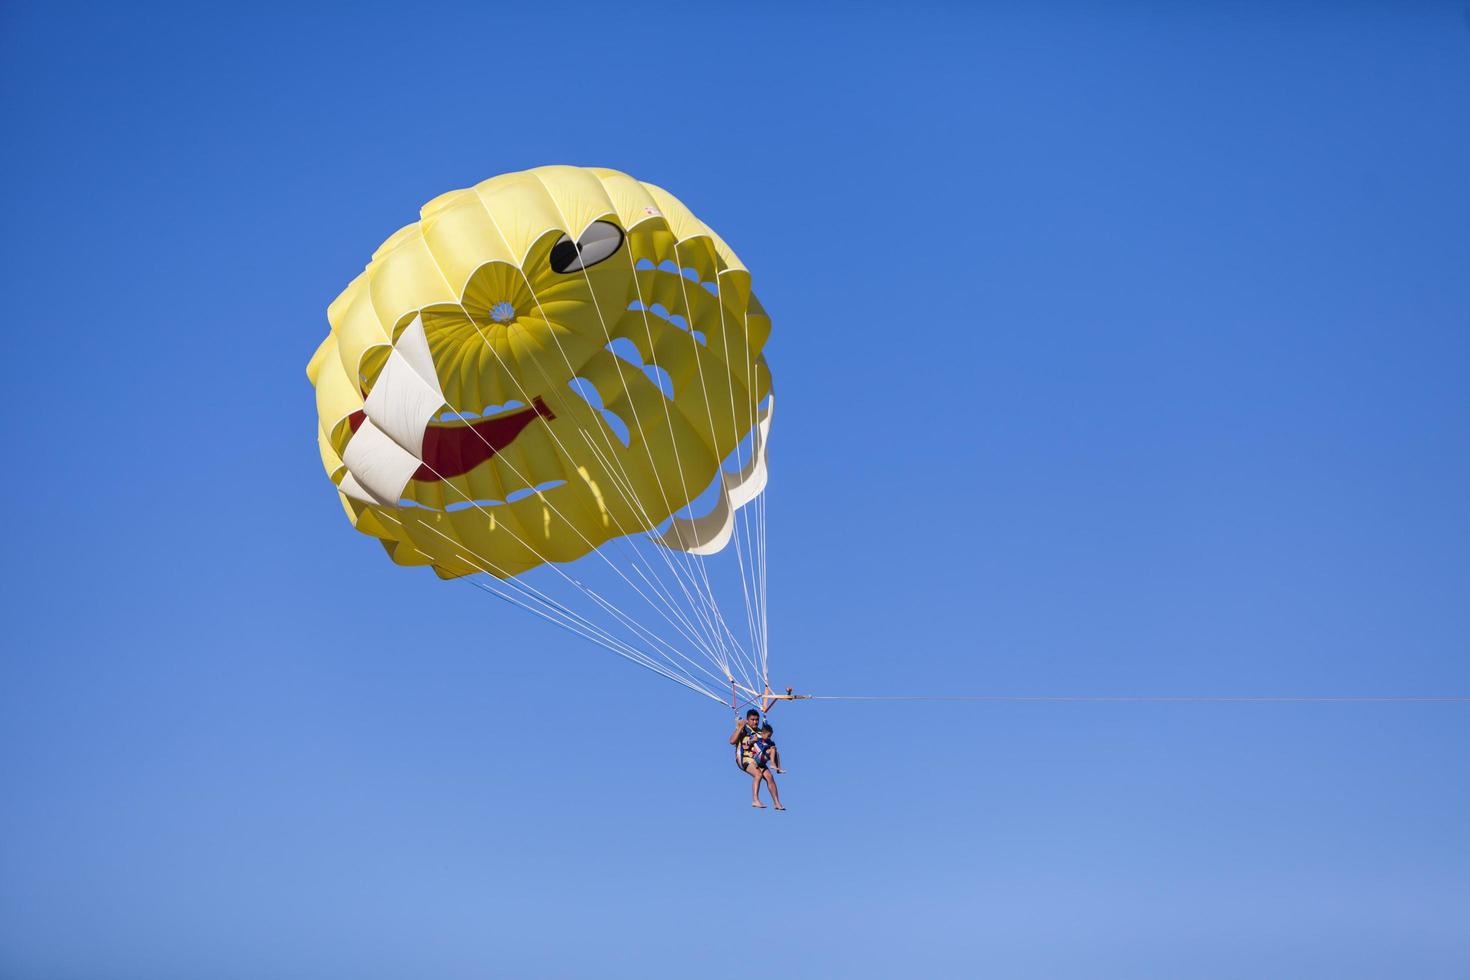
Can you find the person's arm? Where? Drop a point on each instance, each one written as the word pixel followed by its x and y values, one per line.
pixel 739 729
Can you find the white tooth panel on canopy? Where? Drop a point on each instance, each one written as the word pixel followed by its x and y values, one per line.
pixel 380 466
pixel 708 534
pixel 407 394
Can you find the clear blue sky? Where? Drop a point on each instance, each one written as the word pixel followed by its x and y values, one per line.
pixel 1121 352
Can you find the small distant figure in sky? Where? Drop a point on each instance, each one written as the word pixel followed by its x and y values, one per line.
pixel 755 753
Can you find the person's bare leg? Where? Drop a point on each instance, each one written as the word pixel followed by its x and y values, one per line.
pixel 755 787
pixel 775 797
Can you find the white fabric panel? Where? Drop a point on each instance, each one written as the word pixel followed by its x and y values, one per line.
pixel 381 467
pixel 709 534
pixel 705 535
pixel 414 346
pixel 748 483
pixel 353 489
pixel 407 393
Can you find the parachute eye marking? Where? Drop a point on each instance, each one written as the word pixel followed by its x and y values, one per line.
pixel 598 242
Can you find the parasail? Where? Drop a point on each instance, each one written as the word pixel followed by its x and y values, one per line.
pixel 552 386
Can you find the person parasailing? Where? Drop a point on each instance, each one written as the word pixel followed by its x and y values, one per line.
pixel 755 752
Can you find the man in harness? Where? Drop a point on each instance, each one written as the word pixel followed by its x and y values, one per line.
pixel 756 754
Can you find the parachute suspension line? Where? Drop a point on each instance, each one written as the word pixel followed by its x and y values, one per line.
pixel 1148 698
pixel 745 542
pixel 739 519
pixel 765 566
pixel 611 607
pixel 754 546
pixel 573 622
pixel 597 636
pixel 760 516
pixel 723 664
pixel 571 369
pixel 688 560
pixel 631 497
pixel 709 607
pixel 647 519
pixel 708 593
pixel 602 639
pixel 703 384
pixel 750 660
pixel 738 663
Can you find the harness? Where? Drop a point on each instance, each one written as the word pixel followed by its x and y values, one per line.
pixel 752 749
pixel 745 750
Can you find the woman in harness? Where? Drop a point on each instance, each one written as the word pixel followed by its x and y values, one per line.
pixel 755 752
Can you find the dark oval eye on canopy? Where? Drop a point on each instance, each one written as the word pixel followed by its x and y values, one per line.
pixel 598 242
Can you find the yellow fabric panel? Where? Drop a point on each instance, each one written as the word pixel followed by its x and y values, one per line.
pixel 685 225
pixel 631 201
pixel 728 258
pixel 394 240
pixel 681 220
pixel 511 321
pixel 355 325
pixel 757 324
pixel 337 394
pixel 331 459
pixel 522 210
pixel 462 238
pixel 578 196
pixel 404 280
pixel 326 349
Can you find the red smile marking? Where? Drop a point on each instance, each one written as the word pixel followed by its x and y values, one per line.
pixel 455 450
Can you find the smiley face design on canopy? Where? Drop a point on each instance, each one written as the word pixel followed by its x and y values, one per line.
pixel 544 362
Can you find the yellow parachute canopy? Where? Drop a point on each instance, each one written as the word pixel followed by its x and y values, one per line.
pixel 542 363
